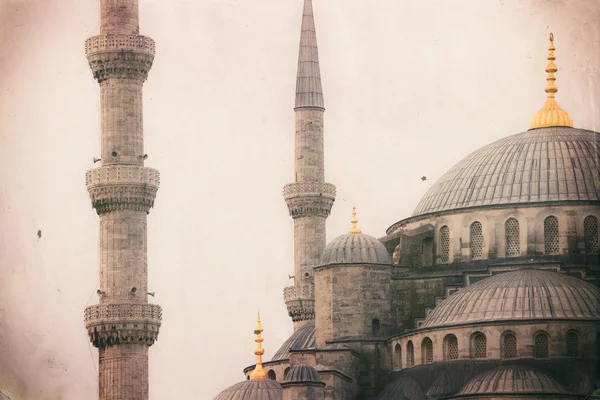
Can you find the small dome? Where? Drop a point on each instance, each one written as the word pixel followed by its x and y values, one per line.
pixel 303 373
pixel 525 294
pixel 511 379
pixel 264 389
pixel 402 389
pixel 355 248
pixel 303 338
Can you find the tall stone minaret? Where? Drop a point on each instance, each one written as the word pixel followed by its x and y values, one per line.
pixel 123 326
pixel 309 198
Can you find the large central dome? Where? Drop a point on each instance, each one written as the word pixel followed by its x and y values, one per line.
pixel 539 165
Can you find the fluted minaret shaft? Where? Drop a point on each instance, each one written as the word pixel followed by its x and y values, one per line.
pixel 309 199
pixel 122 191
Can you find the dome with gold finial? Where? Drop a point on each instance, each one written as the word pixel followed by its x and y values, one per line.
pixel 549 163
pixel 259 386
pixel 355 248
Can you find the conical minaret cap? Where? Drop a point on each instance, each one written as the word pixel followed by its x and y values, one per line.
pixel 551 114
pixel 309 93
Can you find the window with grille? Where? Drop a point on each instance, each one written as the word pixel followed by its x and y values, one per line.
pixel 398 356
pixel 476 240
pixel 540 349
pixel 272 375
pixel 478 349
pixel 444 244
pixel 551 235
pixel 509 346
pixel 572 344
pixel 451 347
pixel 410 354
pixel 590 234
pixel 426 351
pixel 513 240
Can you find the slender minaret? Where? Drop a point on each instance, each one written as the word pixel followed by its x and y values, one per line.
pixel 122 190
pixel 309 198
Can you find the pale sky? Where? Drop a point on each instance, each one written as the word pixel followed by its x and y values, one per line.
pixel 411 87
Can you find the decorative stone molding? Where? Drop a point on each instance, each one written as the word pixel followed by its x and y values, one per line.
pixel 120 56
pixel 110 324
pixel 300 302
pixel 309 199
pixel 126 187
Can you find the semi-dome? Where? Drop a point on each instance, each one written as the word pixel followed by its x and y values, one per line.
pixel 355 248
pixel 303 373
pixel 264 389
pixel 527 294
pixel 302 338
pixel 404 388
pixel 540 165
pixel 512 379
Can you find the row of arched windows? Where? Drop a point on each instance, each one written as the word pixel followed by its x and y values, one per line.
pixel 478 348
pixel 512 237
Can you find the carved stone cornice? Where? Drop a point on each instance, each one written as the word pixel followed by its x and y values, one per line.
pixel 110 324
pixel 309 199
pixel 120 56
pixel 125 187
pixel 300 302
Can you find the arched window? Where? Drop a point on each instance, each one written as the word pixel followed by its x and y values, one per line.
pixel 285 373
pixel 476 239
pixel 540 346
pixel 426 351
pixel 272 375
pixel 590 234
pixel 551 235
pixel 509 345
pixel 513 240
pixel 410 354
pixel 572 344
pixel 376 327
pixel 444 244
pixel 398 356
pixel 478 345
pixel 450 347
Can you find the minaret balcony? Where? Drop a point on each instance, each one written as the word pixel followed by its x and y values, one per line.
pixel 110 324
pixel 300 302
pixel 123 187
pixel 120 56
pixel 309 199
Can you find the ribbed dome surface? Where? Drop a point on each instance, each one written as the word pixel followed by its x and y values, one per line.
pixel 303 373
pixel 402 389
pixel 547 164
pixel 252 390
pixel 524 294
pixel 355 248
pixel 303 338
pixel 511 379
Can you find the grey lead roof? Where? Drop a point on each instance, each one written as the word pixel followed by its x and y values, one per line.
pixel 511 379
pixel 539 165
pixel 355 248
pixel 527 294
pixel 303 338
pixel 308 83
pixel 264 389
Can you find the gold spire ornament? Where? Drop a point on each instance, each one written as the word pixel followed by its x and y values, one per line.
pixel 258 373
pixel 551 114
pixel 354 221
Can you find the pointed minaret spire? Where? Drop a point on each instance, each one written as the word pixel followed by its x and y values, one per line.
pixel 308 84
pixel 309 198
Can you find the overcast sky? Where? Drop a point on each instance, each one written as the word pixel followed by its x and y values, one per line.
pixel 411 87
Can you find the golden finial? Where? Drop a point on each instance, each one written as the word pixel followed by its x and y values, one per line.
pixel 551 114
pixel 259 372
pixel 354 221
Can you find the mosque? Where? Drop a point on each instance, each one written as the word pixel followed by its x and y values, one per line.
pixel 488 291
